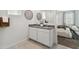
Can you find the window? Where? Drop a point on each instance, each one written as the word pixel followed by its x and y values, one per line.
pixel 69 18
pixel 14 12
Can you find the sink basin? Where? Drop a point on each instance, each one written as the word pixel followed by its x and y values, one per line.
pixel 41 25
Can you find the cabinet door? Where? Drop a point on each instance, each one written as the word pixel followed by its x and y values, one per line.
pixel 43 36
pixel 33 33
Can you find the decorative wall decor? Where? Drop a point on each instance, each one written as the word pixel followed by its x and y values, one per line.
pixel 28 14
pixel 4 21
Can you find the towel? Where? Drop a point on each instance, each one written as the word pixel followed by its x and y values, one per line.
pixel 5 19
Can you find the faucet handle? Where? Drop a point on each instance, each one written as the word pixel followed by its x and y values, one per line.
pixel 46 21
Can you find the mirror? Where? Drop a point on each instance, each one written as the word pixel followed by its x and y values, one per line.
pixel 28 14
pixel 39 16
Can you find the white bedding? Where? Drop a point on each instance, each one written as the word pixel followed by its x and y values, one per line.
pixel 77 32
pixel 64 33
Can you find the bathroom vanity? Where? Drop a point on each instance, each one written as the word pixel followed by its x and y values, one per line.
pixel 45 34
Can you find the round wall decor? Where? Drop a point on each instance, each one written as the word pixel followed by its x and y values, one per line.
pixel 39 16
pixel 28 14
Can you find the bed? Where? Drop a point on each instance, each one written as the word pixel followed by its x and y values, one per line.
pixel 64 33
pixel 65 37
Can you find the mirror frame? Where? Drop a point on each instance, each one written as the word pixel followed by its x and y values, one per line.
pixel 28 14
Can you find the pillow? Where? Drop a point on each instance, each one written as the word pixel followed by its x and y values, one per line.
pixel 68 31
pixel 75 28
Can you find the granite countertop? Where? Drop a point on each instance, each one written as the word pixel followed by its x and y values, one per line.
pixel 48 27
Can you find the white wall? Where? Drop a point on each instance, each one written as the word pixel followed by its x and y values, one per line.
pixel 59 16
pixel 50 16
pixel 17 31
pixel 3 13
pixel 77 18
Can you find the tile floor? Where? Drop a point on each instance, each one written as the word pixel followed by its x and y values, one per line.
pixel 29 44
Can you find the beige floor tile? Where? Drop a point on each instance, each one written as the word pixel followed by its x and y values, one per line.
pixel 29 44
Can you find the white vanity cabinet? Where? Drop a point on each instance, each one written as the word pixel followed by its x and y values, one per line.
pixel 44 36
